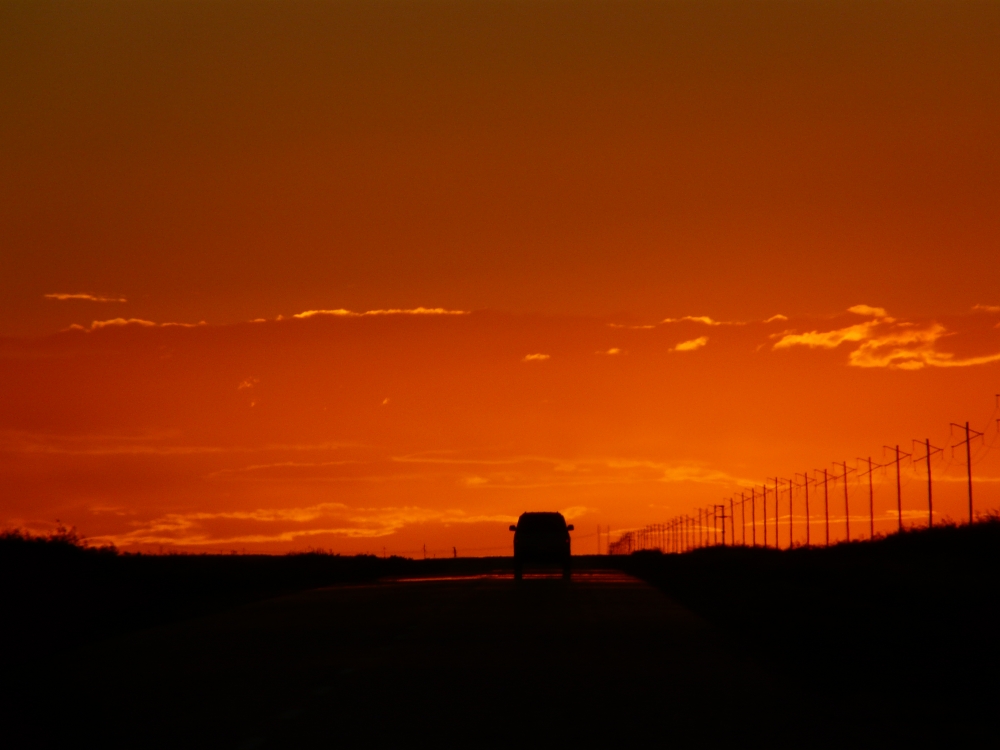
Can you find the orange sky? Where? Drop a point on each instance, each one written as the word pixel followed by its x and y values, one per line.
pixel 564 177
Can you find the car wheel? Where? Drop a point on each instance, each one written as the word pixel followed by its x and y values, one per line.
pixel 517 572
pixel 567 572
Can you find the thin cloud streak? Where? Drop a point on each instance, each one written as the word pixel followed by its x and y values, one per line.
pixel 83 296
pixel 135 322
pixel 690 346
pixel 342 313
pixel 188 529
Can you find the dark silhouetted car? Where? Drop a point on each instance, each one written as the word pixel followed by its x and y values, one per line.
pixel 541 538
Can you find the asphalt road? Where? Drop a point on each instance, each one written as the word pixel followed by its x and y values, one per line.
pixel 475 662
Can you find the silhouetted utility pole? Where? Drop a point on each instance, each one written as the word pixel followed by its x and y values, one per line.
pixel 847 510
pixel 791 514
pixel 732 524
pixel 777 515
pixel 753 514
pixel 764 514
pixel 743 517
pixel 723 509
pixel 826 505
pixel 805 484
pixel 777 505
pixel 931 450
pixel 871 496
pixel 970 435
pixel 899 483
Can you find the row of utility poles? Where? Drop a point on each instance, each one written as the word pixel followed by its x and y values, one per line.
pixel 708 527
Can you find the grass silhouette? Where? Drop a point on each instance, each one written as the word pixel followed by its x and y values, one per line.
pixel 881 633
pixel 887 641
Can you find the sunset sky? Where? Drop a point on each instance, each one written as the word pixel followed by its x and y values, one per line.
pixel 376 275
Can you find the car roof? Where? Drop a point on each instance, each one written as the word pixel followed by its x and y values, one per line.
pixel 542 520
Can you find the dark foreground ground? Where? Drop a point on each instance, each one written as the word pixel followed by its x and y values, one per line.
pixel 886 643
pixel 454 663
pixel 898 638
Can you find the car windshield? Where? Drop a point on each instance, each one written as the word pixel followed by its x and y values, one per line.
pixel 542 523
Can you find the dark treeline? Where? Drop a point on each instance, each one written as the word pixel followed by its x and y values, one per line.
pixel 895 636
pixel 57 593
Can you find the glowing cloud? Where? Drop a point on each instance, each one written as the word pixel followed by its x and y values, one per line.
pixel 690 346
pixel 877 312
pixel 987 308
pixel 138 322
pixel 774 318
pixel 912 350
pixel 351 314
pixel 611 352
pixel 697 319
pixel 886 343
pixel 826 339
pixel 535 357
pixel 82 296
pixel 190 528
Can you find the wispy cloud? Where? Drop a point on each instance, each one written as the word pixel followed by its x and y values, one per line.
pixel 534 472
pixel 155 444
pixel 137 322
pixel 535 357
pixel 199 529
pixel 83 296
pixel 877 312
pixel 690 346
pixel 342 313
pixel 695 319
pixel 987 308
pixel 912 350
pixel 613 351
pixel 827 339
pixel 885 342
pixel 777 317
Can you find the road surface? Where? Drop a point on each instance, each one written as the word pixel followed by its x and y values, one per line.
pixel 460 662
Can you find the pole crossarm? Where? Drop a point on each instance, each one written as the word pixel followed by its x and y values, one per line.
pixel 973 434
pixel 931 450
pixel 871 468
